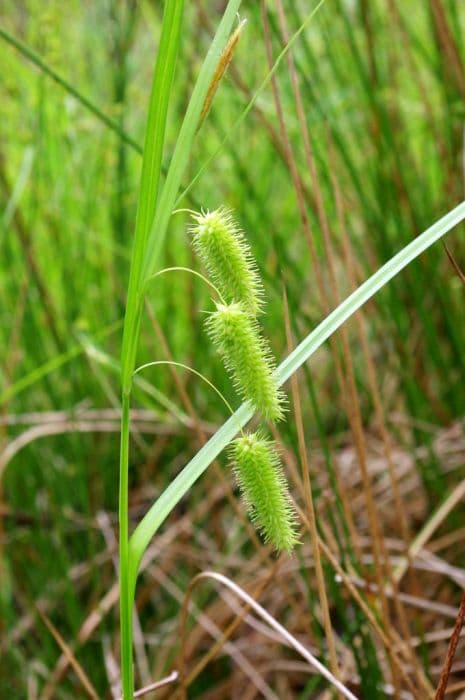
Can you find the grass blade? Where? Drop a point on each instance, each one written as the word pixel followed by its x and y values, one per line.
pixel 179 487
pixel 186 138
pixel 37 61
pixel 148 194
pixel 150 178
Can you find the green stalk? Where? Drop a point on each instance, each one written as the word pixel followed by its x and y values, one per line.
pixel 152 219
pixel 185 140
pixel 194 469
pixel 150 178
pixel 127 675
pixel 148 194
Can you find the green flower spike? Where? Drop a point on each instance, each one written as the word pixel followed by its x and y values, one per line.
pixel 247 357
pixel 227 257
pixel 260 477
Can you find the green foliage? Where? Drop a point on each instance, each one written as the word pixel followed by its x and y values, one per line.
pixel 247 357
pixel 153 215
pixel 261 479
pixel 227 257
pixel 385 119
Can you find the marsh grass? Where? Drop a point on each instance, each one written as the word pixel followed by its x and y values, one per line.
pixel 376 160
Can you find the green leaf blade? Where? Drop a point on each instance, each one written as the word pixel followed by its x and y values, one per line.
pixel 185 140
pixel 195 468
pixel 150 177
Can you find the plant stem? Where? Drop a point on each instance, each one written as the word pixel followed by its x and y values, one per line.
pixel 153 215
pixel 125 593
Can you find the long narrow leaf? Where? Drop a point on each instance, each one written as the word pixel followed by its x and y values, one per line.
pixel 193 470
pixel 47 70
pixel 148 195
pixel 186 138
pixel 150 177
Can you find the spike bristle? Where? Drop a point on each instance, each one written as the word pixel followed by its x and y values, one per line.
pixel 247 357
pixel 261 478
pixel 227 258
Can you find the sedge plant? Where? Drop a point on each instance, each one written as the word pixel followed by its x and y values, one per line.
pixel 389 224
pixel 155 207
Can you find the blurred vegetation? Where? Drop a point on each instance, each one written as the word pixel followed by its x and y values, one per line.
pixel 380 85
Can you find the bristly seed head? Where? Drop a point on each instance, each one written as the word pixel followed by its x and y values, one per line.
pixel 227 257
pixel 261 478
pixel 247 357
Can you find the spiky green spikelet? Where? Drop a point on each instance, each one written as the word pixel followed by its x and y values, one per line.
pixel 227 257
pixel 247 357
pixel 260 477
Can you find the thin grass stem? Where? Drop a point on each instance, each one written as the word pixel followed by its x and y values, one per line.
pixel 125 600
pixel 189 369
pixel 193 272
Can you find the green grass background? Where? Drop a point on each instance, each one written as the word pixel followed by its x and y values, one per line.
pixel 383 90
